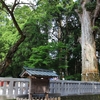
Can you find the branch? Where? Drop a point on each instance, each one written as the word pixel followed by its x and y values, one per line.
pixel 4 5
pixel 12 16
pixel 8 59
pixel 97 11
pixel 18 3
pixel 14 5
pixel 79 15
pixel 30 4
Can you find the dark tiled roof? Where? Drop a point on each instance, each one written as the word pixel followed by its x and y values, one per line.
pixel 38 72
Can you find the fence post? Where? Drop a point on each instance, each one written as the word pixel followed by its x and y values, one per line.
pixel 79 88
pixel 10 90
pixel 4 88
pixel 46 96
pixel 30 94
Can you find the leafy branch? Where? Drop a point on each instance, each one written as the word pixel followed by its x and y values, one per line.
pixel 8 59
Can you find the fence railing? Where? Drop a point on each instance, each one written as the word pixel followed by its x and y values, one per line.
pixel 66 88
pixel 11 87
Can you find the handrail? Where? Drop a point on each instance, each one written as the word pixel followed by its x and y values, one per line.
pixel 11 87
pixel 66 88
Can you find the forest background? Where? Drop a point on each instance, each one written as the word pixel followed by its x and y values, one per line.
pixel 53 30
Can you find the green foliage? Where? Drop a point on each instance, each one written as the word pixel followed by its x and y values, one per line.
pixel 90 6
pixel 9 36
pixel 6 38
pixel 8 32
pixel 41 25
pixel 21 13
pixel 77 6
pixel 95 28
pixel 45 56
pixel 74 77
pixel 64 66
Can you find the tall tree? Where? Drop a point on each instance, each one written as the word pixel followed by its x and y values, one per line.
pixel 11 36
pixel 88 12
pixel 10 10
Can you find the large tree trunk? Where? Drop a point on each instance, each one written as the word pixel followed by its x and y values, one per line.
pixel 90 70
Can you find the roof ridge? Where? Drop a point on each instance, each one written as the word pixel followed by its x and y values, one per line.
pixel 37 69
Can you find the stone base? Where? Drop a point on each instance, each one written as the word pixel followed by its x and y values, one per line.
pixel 3 98
pixel 82 97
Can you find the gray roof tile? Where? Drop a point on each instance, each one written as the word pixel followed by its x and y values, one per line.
pixel 39 72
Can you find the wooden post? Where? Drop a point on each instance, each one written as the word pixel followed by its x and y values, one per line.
pixel 30 86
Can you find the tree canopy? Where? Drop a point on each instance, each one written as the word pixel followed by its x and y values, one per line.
pixel 43 34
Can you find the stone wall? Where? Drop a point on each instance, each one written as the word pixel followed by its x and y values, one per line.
pixel 82 97
pixel 78 97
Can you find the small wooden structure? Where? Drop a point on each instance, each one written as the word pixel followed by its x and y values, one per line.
pixel 39 80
